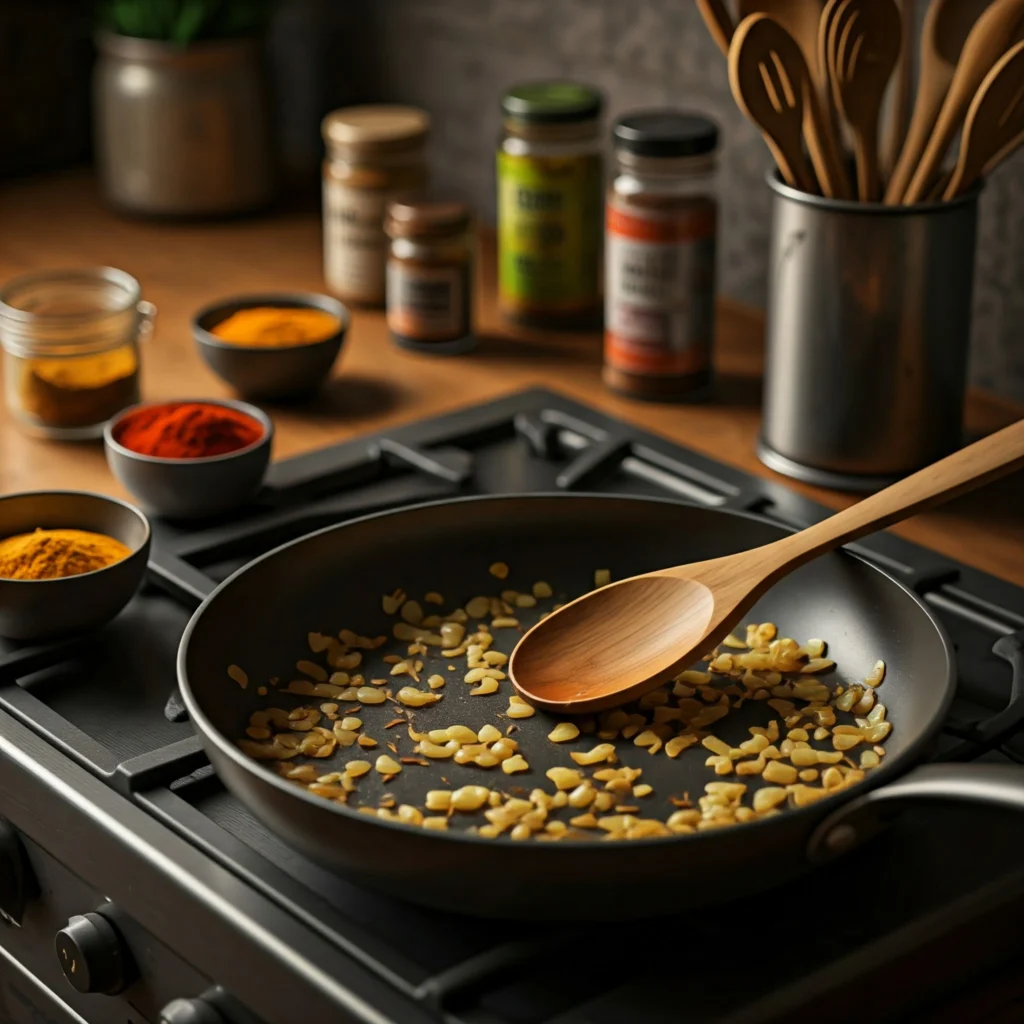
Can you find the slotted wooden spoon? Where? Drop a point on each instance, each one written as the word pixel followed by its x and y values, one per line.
pixel 618 642
pixel 947 23
pixel 994 126
pixel 992 35
pixel 863 48
pixel 771 84
pixel 800 19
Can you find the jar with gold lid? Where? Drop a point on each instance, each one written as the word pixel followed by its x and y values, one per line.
pixel 70 340
pixel 430 276
pixel 375 153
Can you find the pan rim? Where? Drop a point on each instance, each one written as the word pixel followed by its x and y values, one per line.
pixel 899 765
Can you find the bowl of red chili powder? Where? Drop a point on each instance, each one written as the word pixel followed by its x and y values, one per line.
pixel 190 459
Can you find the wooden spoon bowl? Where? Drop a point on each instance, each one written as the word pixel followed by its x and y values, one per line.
pixel 620 641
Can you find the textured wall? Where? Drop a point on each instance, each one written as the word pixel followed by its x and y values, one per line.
pixel 455 57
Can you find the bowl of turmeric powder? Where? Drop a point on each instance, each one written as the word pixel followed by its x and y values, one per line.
pixel 272 347
pixel 69 561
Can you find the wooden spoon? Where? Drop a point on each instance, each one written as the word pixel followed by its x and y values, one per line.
pixel 947 24
pixel 991 36
pixel 800 19
pixel 718 22
pixel 899 109
pixel 772 86
pixel 617 643
pixel 994 126
pixel 863 47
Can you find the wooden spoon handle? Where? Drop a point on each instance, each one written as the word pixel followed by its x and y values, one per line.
pixel 718 22
pixel 988 459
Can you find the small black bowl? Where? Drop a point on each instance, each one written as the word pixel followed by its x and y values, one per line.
pixel 44 609
pixel 191 488
pixel 267 373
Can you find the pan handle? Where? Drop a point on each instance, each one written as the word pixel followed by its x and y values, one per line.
pixel 996 785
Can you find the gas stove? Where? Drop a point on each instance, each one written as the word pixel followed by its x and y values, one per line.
pixel 134 888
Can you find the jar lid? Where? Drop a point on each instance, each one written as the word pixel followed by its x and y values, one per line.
pixel 376 127
pixel 552 102
pixel 426 218
pixel 666 133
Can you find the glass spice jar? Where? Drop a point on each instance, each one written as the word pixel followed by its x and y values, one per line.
pixel 549 205
pixel 71 348
pixel 660 230
pixel 374 154
pixel 430 276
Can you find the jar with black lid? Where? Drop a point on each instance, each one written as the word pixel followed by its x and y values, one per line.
pixel 661 222
pixel 550 205
pixel 430 276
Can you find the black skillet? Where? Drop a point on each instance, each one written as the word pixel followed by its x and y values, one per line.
pixel 333 579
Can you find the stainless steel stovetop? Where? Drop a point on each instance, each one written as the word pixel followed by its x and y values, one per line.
pixel 186 910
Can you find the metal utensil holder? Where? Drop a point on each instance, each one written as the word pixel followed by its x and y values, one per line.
pixel 869 316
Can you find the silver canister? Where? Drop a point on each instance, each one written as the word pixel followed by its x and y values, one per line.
pixel 182 131
pixel 869 317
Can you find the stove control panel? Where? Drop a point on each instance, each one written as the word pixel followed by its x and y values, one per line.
pixel 16 880
pixel 191 1011
pixel 93 955
pixel 107 969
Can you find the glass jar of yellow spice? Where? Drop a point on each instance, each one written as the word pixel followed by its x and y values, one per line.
pixel 71 348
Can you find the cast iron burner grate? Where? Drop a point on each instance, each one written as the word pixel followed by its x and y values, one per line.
pixel 939 895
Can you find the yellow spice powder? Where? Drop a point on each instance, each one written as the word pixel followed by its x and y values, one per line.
pixel 272 326
pixel 50 554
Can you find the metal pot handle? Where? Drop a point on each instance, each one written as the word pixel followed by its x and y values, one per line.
pixel 993 784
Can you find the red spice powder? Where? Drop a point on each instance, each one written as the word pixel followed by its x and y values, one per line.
pixel 188 430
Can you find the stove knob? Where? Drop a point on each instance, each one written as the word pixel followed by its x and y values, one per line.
pixel 191 1011
pixel 16 879
pixel 94 956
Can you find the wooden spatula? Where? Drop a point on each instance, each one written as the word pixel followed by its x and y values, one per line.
pixel 991 36
pixel 863 47
pixel 994 126
pixel 616 643
pixel 771 84
pixel 800 19
pixel 947 24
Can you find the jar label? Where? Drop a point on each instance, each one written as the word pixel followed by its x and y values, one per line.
pixel 660 301
pixel 355 245
pixel 427 303
pixel 549 232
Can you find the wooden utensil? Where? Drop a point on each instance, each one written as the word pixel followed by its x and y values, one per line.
pixel 800 19
pixel 862 50
pixel 994 126
pixel 991 36
pixel 772 86
pixel 947 24
pixel 718 22
pixel 624 639
pixel 899 111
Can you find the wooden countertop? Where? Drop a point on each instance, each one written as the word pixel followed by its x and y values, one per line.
pixel 58 221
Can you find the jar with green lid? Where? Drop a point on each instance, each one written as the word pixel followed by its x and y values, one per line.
pixel 550 220
pixel 375 153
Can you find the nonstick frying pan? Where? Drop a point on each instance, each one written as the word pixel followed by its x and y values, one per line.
pixel 260 617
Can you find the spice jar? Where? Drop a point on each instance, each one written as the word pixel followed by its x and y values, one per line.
pixel 71 353
pixel 430 276
pixel 374 154
pixel 549 205
pixel 661 223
